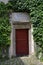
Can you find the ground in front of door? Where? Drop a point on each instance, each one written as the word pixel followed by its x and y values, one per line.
pixel 31 60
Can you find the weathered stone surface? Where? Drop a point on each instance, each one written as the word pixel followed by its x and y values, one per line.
pixel 5 1
pixel 31 60
pixel 20 20
pixel 19 17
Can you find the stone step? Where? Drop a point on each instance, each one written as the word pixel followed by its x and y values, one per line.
pixel 32 60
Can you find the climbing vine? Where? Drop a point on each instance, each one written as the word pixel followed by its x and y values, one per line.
pixel 34 8
pixel 4 25
pixel 5 29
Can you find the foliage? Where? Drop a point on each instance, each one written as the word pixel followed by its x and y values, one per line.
pixel 5 29
pixel 34 8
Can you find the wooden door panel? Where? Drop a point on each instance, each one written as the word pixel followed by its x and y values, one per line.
pixel 21 42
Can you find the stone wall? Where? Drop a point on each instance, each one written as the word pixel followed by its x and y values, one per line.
pixel 21 21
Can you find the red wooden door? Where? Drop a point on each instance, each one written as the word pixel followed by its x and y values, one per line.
pixel 22 42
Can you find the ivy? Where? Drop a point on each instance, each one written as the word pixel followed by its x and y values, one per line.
pixel 5 27
pixel 33 7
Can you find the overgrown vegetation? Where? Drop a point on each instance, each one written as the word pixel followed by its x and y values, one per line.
pixel 34 8
pixel 5 29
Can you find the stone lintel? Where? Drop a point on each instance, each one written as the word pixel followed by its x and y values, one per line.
pixel 19 17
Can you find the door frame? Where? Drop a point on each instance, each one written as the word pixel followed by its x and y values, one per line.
pixel 12 50
pixel 21 26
